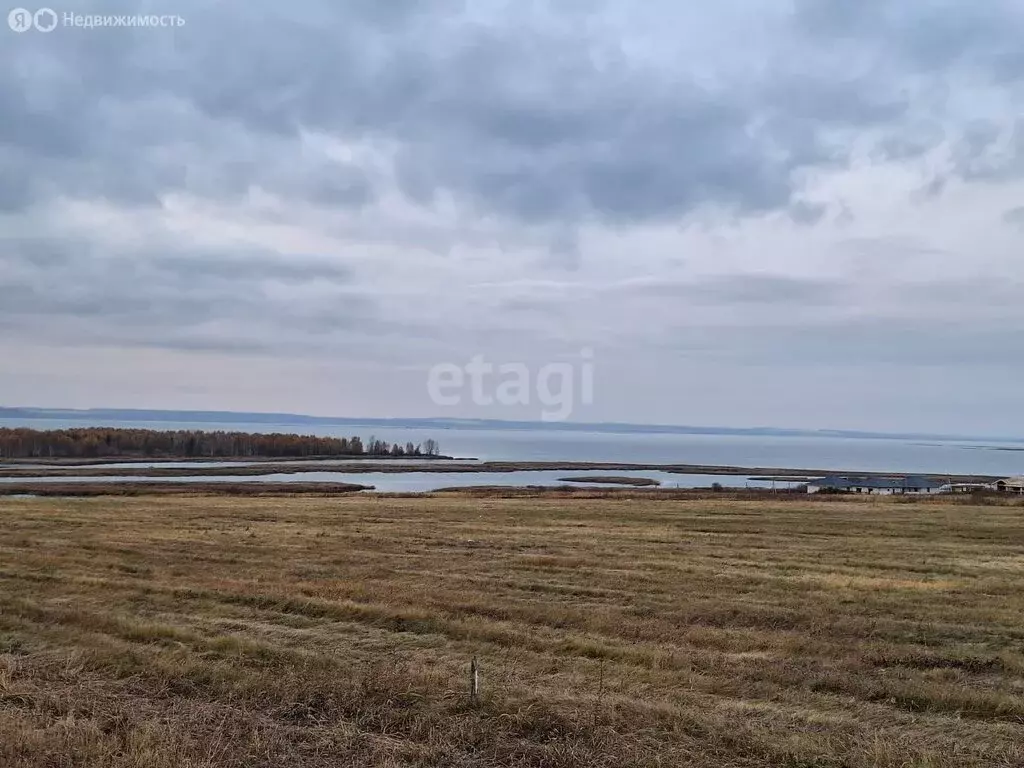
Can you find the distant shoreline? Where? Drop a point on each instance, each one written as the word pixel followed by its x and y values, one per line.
pixel 58 463
pixel 106 417
pixel 86 443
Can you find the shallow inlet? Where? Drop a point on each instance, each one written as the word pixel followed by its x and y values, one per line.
pixel 420 482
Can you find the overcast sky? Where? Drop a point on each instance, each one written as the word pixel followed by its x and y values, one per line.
pixel 805 213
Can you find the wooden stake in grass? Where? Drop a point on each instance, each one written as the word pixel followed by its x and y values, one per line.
pixel 474 680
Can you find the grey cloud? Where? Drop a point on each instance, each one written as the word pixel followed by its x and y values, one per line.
pixel 865 343
pixel 933 188
pixel 1014 216
pixel 967 296
pixel 738 290
pixel 899 143
pixel 989 152
pixel 525 116
pixel 937 50
pixel 930 34
pixel 60 258
pixel 935 323
pixel 248 267
pixel 807 213
pixel 84 124
pixel 163 296
pixel 769 289
pixel 545 309
pixel 889 247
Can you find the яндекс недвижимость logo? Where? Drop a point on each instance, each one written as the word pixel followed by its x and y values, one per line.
pixel 46 20
pixel 22 20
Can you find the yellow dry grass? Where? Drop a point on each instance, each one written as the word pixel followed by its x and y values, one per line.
pixel 299 632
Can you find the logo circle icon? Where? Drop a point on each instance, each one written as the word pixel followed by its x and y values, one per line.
pixel 45 19
pixel 20 20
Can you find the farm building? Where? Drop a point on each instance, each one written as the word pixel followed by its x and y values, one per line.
pixel 1010 485
pixel 967 487
pixel 886 486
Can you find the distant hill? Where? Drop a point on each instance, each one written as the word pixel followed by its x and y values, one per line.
pixel 114 416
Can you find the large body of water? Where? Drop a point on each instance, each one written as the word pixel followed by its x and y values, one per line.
pixel 832 453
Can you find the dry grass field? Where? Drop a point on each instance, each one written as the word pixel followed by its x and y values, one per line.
pixel 178 632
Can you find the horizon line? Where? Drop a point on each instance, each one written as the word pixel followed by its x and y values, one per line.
pixel 28 412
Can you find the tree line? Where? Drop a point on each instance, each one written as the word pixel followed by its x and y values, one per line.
pixel 103 442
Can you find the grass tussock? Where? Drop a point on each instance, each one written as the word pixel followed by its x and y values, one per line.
pixel 610 631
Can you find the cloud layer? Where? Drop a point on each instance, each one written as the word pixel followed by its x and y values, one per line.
pixel 748 191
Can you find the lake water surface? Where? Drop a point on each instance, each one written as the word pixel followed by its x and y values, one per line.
pixel 832 453
pixel 420 482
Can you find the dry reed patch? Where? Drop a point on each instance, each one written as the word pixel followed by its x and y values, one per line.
pixel 841 581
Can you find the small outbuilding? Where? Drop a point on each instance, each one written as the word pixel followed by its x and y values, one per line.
pixel 1010 485
pixel 966 487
